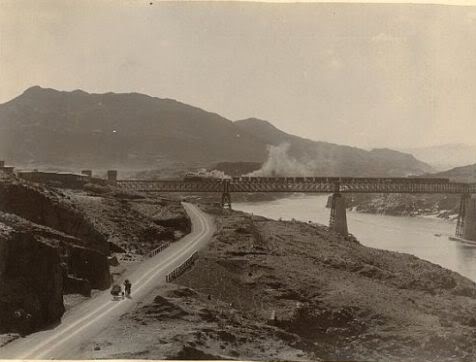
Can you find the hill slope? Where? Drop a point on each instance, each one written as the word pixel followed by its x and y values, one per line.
pixel 331 159
pixel 135 131
pixel 459 174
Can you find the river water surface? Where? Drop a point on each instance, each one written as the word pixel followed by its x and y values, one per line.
pixel 412 235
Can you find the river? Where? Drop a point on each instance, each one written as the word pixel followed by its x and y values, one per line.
pixel 412 235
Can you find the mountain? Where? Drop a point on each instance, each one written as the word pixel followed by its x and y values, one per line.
pixel 444 157
pixel 46 127
pixel 459 174
pixel 331 159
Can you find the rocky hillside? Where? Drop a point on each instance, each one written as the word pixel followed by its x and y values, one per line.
pixel 45 127
pixel 51 208
pixel 132 223
pixel 56 242
pixel 270 290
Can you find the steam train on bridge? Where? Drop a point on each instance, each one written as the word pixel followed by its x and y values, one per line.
pixel 343 179
pixel 327 180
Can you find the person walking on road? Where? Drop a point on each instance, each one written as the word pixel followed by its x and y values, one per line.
pixel 127 287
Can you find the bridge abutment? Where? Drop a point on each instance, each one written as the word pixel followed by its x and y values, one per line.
pixel 338 219
pixel 466 227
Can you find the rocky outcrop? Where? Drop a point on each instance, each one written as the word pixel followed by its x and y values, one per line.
pixel 31 282
pixel 170 215
pixel 37 266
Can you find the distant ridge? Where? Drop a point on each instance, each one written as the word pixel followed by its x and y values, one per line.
pixel 44 126
pixel 459 174
pixel 332 159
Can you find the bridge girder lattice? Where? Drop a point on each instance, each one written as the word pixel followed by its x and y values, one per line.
pixel 278 185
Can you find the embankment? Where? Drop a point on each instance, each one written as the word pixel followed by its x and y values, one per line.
pixel 344 300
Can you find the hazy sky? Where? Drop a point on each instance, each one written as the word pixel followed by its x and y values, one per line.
pixel 364 75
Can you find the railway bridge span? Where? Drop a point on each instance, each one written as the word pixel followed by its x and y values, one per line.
pixel 337 186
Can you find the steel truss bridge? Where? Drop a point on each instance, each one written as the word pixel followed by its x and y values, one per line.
pixel 466 226
pixel 304 185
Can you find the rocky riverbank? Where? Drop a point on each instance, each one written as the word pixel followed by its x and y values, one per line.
pixel 271 290
pixel 442 206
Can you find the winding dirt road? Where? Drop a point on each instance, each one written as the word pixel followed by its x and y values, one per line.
pixel 84 322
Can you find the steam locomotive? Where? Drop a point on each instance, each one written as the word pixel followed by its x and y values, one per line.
pixel 204 176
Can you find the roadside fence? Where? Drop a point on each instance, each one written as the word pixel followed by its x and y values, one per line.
pixel 187 264
pixel 158 250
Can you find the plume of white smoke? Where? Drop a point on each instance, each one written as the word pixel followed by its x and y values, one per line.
pixel 217 174
pixel 209 174
pixel 280 163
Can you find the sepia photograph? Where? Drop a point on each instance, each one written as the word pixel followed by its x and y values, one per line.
pixel 238 180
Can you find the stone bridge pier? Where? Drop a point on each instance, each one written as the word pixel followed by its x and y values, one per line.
pixel 466 226
pixel 226 196
pixel 338 219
